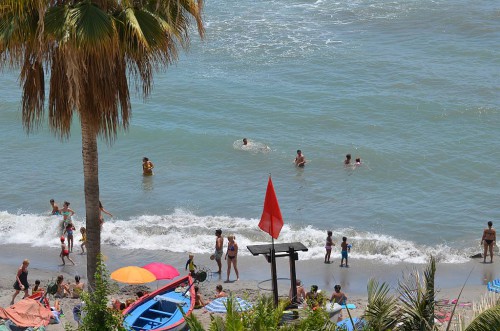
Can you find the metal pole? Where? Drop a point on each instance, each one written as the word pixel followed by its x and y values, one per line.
pixel 274 275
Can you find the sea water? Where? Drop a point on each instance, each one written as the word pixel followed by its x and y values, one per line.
pixel 409 86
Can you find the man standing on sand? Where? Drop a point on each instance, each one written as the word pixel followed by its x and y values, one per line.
pixel 489 239
pixel 300 159
pixel 219 249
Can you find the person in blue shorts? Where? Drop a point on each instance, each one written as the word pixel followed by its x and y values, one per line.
pixel 344 247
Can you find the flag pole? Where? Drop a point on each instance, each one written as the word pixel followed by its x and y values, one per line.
pixel 273 274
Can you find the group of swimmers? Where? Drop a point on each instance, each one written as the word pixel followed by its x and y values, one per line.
pixel 68 229
pixel 300 160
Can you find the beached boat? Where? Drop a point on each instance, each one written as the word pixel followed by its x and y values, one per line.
pixel 161 310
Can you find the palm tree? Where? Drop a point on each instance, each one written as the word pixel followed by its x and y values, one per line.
pixel 88 48
pixel 382 312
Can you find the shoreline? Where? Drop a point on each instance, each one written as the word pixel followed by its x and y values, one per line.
pixel 254 275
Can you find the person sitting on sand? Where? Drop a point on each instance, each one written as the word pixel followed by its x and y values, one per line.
pixel 219 293
pixel 489 239
pixel 198 302
pixel 338 296
pixel 301 293
pixel 62 289
pixel 76 289
pixel 37 288
pixel 300 159
pixel 313 298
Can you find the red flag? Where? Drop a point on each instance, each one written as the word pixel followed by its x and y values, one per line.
pixel 271 220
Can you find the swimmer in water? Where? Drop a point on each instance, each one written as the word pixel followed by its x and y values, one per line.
pixel 358 161
pixel 245 141
pixel 347 160
pixel 55 207
pixel 300 159
pixel 147 167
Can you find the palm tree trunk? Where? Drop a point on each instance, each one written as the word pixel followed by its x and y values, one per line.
pixel 91 187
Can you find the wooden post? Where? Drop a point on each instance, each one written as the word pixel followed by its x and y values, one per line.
pixel 293 275
pixel 274 276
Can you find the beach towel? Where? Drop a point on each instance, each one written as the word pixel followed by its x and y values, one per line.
pixel 349 305
pixel 27 313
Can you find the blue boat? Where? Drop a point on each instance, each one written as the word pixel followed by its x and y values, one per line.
pixel 161 310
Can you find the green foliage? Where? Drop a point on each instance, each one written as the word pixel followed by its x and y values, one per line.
pixel 486 321
pixel 97 316
pixel 381 312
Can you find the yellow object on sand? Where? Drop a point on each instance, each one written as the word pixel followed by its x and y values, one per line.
pixel 133 275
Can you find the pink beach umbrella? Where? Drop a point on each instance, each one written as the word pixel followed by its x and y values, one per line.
pixel 162 270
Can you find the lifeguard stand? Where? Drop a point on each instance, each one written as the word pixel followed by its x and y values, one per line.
pixel 271 252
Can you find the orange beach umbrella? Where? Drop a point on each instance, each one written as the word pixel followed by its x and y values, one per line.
pixel 133 275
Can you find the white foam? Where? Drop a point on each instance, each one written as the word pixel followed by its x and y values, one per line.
pixel 183 231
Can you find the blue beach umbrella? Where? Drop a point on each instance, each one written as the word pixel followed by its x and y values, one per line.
pixel 219 305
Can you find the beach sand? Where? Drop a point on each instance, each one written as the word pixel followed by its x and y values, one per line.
pixel 254 276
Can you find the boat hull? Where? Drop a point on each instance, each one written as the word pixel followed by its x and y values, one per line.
pixel 162 309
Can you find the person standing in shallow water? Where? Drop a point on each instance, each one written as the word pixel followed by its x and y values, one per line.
pixel 55 207
pixel 489 239
pixel 147 167
pixel 300 159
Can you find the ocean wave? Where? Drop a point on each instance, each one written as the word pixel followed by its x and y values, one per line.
pixel 183 231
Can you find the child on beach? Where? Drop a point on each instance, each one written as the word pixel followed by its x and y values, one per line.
pixel 191 265
pixel 83 239
pixel 328 246
pixel 69 231
pixel 37 287
pixel 64 252
pixel 344 246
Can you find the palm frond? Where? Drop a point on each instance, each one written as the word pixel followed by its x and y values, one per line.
pixel 381 312
pixel 486 321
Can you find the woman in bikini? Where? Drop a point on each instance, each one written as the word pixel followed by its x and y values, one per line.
pixel 67 213
pixel 489 239
pixel 232 257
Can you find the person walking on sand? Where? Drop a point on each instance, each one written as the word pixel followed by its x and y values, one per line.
pixel 55 207
pixel 21 283
pixel 300 159
pixel 219 249
pixel 232 257
pixel 83 231
pixel 344 246
pixel 147 167
pixel 328 246
pixel 64 252
pixel 489 239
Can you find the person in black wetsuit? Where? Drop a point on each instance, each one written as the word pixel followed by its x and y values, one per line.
pixel 21 283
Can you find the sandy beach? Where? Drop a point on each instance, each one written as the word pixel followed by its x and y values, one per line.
pixel 254 276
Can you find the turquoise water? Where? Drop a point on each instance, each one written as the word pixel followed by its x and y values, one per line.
pixel 411 87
